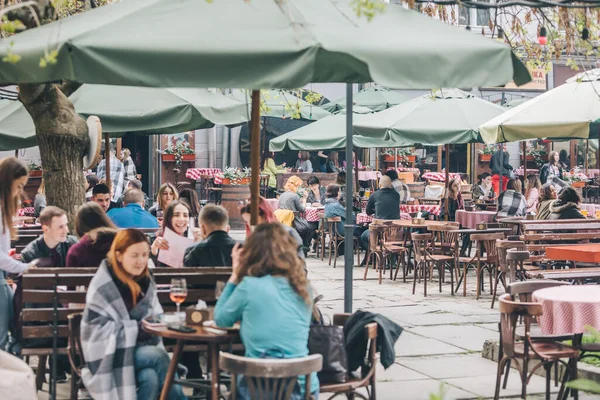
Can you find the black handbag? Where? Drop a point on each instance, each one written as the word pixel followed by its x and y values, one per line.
pixel 328 340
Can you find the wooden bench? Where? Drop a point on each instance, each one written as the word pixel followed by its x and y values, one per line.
pixel 36 289
pixel 538 235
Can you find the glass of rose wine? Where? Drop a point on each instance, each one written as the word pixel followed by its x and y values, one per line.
pixel 178 292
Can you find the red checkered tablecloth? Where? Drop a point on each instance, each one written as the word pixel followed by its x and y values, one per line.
pixel 406 169
pixel 568 309
pixel 368 175
pixel 26 211
pixel 470 219
pixel 197 173
pixel 311 214
pixel 439 176
pixel 415 208
pixel 363 218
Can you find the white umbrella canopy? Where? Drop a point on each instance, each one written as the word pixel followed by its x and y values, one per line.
pixel 569 111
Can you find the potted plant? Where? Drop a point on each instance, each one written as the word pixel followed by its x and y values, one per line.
pixel 538 154
pixel 236 176
pixel 406 155
pixel 389 155
pixel 35 170
pixel 178 152
pixel 485 154
pixel 576 178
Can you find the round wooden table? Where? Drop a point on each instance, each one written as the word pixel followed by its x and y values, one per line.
pixel 201 335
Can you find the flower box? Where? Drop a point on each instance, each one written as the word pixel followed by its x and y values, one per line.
pixel 239 181
pixel 485 158
pixel 34 174
pixel 578 184
pixel 408 158
pixel 388 158
pixel 171 157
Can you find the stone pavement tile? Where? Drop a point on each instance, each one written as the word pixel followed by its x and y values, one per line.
pixel 492 326
pixel 433 318
pixel 450 366
pixel 484 386
pixel 397 372
pixel 409 344
pixel 467 306
pixel 468 337
pixel 417 390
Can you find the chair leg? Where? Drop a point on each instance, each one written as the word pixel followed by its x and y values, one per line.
pixel 415 277
pixel 499 378
pixel 425 271
pixel 73 383
pixel 506 374
pixel 524 377
pixel 548 367
pixel 40 372
pixel 498 277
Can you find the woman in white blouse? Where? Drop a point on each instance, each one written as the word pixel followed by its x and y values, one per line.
pixel 13 175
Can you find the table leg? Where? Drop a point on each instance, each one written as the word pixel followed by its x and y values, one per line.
pixel 213 350
pixel 164 395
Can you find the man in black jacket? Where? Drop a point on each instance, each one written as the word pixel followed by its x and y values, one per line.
pixel 384 204
pixel 215 249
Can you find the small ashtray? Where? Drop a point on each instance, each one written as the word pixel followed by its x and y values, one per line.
pixel 482 226
pixel 418 221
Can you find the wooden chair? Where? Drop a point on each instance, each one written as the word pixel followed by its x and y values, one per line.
pixel 270 379
pixel 502 247
pixel 487 242
pixel 445 242
pixel 367 380
pixel 394 249
pixel 264 185
pixel 376 232
pixel 423 258
pixel 526 350
pixel 322 232
pixel 75 353
pixel 335 239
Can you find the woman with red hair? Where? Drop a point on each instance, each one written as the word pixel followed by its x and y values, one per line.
pixel 265 216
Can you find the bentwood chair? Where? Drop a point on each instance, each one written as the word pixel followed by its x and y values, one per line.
pixel 546 353
pixel 423 260
pixel 503 272
pixel 270 379
pixel 486 242
pixel 75 353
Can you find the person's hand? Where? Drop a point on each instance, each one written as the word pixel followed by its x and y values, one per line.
pixel 284 164
pixel 305 195
pixel 31 265
pixel 236 255
pixel 198 234
pixel 160 244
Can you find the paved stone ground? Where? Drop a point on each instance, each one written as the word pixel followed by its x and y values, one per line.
pixel 440 348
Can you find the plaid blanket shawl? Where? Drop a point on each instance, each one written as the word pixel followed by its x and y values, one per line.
pixel 109 336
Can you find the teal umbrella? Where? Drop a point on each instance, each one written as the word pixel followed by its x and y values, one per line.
pixel 446 116
pixel 328 133
pixel 282 104
pixel 374 98
pixel 131 109
pixel 256 44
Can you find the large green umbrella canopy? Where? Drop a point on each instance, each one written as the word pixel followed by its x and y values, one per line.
pixel 256 44
pixel 374 98
pixel 446 116
pixel 328 133
pixel 569 111
pixel 282 104
pixel 131 109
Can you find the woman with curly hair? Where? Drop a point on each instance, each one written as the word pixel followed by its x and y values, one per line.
pixel 269 293
pixel 291 200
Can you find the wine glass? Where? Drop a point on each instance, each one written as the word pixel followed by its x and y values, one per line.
pixel 178 292
pixel 219 289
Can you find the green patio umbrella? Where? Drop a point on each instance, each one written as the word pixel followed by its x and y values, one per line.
pixel 282 104
pixel 328 133
pixel 570 111
pixel 131 109
pixel 374 98
pixel 446 116
pixel 256 44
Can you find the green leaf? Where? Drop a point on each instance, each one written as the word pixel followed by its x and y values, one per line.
pixel 586 385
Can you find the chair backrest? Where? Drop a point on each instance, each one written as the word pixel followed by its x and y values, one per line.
pixel 420 244
pixel 489 244
pixel 503 246
pixel 376 236
pixel 270 379
pixel 446 235
pixel 510 312
pixel 332 224
pixel 524 290
pixel 74 349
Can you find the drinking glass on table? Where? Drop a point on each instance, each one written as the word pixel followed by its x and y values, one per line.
pixel 178 292
pixel 585 213
pixel 219 289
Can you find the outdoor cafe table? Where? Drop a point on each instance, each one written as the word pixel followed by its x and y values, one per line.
pixel 470 219
pixel 415 208
pixel 584 253
pixel 198 173
pixel 363 218
pixel 439 176
pixel 568 309
pixel 368 175
pixel 201 335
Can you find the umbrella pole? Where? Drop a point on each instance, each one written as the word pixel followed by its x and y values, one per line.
pixel 356 171
pixel 587 149
pixel 377 159
pixel 255 158
pixel 524 165
pixel 107 159
pixel 447 182
pixel 396 158
pixel 349 226
pixel 500 186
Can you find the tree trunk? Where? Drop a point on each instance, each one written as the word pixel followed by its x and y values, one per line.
pixel 62 137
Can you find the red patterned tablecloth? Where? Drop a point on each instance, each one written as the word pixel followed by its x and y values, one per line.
pixel 439 176
pixel 415 208
pixel 363 218
pixel 196 173
pixel 405 169
pixel 26 211
pixel 311 213
pixel 568 309
pixel 368 175
pixel 470 219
